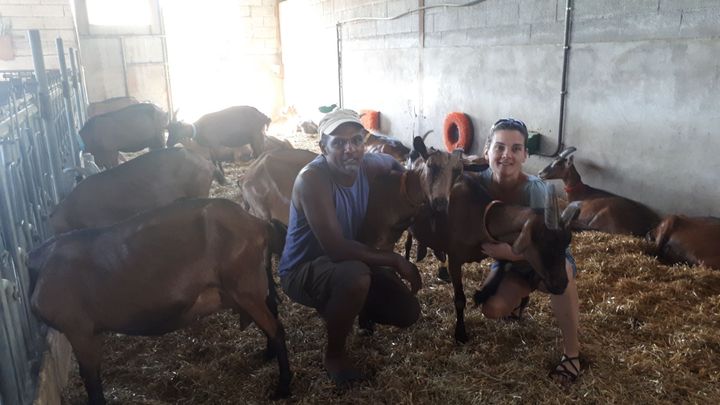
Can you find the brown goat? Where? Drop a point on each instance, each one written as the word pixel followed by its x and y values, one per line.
pixel 227 154
pixel 266 186
pixel 599 210
pixel 110 105
pixel 680 239
pixel 131 129
pixel 397 198
pixel 375 143
pixel 460 234
pixel 149 181
pixel 155 273
pixel 232 127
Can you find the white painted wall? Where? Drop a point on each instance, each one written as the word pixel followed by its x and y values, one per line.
pixel 643 82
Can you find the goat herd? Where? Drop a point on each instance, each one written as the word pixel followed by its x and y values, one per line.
pixel 140 249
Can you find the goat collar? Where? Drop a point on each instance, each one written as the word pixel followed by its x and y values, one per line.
pixel 194 134
pixel 404 190
pixel 578 187
pixel 369 134
pixel 487 210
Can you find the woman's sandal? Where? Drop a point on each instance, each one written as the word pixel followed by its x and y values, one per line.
pixel 566 374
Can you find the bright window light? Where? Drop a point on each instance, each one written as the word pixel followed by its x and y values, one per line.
pixel 119 12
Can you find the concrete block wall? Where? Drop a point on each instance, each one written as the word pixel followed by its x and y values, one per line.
pixel 53 18
pixel 643 80
pixel 238 52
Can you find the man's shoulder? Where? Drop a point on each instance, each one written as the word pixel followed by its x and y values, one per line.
pixel 377 163
pixel 312 176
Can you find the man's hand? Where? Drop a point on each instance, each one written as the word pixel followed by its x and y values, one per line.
pixel 409 272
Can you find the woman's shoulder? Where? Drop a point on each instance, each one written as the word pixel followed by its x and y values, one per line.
pixel 534 182
pixel 535 191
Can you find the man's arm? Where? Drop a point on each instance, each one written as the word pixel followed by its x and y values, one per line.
pixel 313 195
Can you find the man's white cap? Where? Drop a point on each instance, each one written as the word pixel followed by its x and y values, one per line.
pixel 334 119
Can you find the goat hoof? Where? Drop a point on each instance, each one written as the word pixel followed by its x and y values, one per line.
pixel 281 393
pixel 269 354
pixel 461 337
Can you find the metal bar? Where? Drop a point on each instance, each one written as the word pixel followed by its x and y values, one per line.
pixel 67 103
pixel 11 381
pixel 44 105
pixel 338 37
pixel 563 80
pixel 76 87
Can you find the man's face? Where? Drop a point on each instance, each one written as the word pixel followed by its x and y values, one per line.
pixel 344 148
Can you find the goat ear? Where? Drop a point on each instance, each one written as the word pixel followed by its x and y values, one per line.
pixel 524 240
pixel 457 154
pixel 662 232
pixel 570 212
pixel 419 146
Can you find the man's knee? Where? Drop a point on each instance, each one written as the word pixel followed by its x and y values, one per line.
pixel 353 275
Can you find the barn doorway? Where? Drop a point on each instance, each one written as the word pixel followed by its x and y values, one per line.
pixel 222 53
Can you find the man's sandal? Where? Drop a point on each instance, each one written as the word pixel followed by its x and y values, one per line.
pixel 565 373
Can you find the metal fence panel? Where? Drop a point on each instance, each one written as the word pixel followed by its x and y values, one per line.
pixel 40 113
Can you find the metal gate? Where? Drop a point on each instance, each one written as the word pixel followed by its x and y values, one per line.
pixel 40 113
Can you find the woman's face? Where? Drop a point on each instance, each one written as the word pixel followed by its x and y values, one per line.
pixel 507 153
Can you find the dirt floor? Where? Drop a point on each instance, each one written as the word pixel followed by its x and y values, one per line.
pixel 650 333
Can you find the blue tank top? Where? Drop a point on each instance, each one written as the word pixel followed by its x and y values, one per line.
pixel 301 245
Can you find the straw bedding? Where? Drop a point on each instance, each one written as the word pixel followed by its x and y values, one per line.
pixel 650 333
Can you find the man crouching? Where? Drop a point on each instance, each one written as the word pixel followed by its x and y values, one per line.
pixel 323 265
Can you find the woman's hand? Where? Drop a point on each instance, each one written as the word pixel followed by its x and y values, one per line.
pixel 500 251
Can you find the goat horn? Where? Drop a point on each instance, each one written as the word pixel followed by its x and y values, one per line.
pixel 551 208
pixel 567 152
pixel 426 134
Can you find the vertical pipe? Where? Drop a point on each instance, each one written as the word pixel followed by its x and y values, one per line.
pixel 45 113
pixel 76 88
pixel 563 85
pixel 83 86
pixel 563 80
pixel 421 22
pixel 338 35
pixel 67 103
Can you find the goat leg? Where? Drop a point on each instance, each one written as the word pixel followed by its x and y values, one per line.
pixel 456 278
